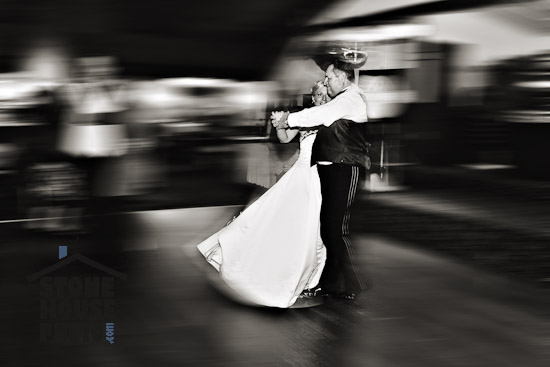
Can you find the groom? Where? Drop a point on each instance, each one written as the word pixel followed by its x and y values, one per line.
pixel 340 152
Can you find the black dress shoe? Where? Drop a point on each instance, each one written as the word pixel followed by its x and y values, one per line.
pixel 311 292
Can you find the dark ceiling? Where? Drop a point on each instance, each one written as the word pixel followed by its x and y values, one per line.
pixel 214 38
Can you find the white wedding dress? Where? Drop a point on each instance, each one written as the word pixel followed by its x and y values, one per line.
pixel 272 251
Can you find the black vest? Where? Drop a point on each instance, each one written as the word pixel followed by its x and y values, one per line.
pixel 342 142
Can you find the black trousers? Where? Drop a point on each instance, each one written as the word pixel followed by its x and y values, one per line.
pixel 338 187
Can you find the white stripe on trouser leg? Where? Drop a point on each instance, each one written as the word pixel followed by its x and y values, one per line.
pixel 345 222
pixel 351 194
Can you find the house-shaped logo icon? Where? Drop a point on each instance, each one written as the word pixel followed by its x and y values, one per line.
pixel 71 259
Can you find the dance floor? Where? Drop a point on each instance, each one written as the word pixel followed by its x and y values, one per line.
pixel 422 309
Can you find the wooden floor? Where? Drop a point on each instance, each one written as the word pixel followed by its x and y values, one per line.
pixel 422 310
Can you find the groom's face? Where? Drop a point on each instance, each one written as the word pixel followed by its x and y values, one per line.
pixel 334 81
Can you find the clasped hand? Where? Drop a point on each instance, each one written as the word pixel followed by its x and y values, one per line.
pixel 279 119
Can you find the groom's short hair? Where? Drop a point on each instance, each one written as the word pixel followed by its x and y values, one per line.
pixel 341 67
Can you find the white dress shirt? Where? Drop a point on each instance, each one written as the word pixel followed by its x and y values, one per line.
pixel 350 104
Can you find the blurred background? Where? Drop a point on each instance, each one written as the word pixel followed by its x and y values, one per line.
pixel 109 108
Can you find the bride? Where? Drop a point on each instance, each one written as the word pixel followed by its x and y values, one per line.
pixel 273 251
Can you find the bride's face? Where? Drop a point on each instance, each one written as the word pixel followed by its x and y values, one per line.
pixel 320 96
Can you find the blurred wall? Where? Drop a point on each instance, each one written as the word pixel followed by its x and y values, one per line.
pixel 493 35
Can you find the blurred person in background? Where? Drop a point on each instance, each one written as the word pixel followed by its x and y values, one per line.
pixel 273 251
pixel 93 133
pixel 340 152
pixel 93 137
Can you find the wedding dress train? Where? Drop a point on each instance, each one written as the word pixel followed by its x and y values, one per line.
pixel 273 251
